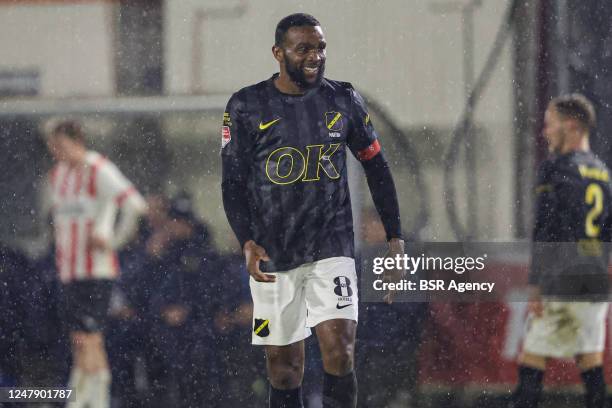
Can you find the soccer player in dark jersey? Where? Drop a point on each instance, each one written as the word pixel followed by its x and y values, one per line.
pixel 568 277
pixel 285 193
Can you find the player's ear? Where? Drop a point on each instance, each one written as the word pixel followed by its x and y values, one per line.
pixel 278 53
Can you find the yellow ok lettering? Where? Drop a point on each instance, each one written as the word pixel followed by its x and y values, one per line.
pixel 281 166
pixel 286 165
pixel 323 161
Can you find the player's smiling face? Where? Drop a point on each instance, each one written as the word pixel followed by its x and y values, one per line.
pixel 302 56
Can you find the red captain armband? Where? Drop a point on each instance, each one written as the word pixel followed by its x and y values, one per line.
pixel 369 152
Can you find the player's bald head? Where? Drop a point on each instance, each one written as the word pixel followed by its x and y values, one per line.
pixel 293 20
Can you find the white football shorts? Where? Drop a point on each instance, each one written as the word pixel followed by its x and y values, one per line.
pixel 567 329
pixel 301 298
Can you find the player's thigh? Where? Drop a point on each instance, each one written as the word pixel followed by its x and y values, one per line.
pixel 336 335
pixel 589 360
pixel 564 330
pixel 592 318
pixel 279 310
pixel 331 291
pixel 533 361
pixel 85 305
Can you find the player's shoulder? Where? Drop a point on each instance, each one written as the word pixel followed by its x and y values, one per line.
pixel 574 161
pixel 245 94
pixel 589 165
pixel 338 86
pixel 258 87
pixel 344 91
pixel 592 160
pixel 95 159
pixel 102 165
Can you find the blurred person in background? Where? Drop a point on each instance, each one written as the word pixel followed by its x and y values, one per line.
pixel 136 362
pixel 185 306
pixel 389 335
pixel 16 275
pixel 568 278
pixel 285 193
pixel 241 367
pixel 87 192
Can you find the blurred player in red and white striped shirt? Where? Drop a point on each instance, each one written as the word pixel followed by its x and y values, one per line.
pixel 87 193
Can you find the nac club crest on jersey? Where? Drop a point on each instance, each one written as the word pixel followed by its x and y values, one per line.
pixel 261 327
pixel 334 122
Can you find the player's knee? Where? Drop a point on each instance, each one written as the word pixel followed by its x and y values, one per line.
pixel 287 375
pixel 339 360
pixel 285 370
pixel 93 342
pixel 285 380
pixel 96 340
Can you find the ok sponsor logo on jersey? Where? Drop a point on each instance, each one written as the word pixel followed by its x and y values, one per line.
pixel 287 165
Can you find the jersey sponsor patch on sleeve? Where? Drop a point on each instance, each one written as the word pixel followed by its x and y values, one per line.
pixel 226 136
pixel 227 120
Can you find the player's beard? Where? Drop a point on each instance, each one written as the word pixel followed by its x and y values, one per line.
pixel 297 75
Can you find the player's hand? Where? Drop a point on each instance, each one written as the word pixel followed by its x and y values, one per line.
pixel 394 275
pixel 96 243
pixel 254 254
pixel 535 305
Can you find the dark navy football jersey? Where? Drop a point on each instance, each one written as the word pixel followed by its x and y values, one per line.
pixel 290 150
pixel 572 228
